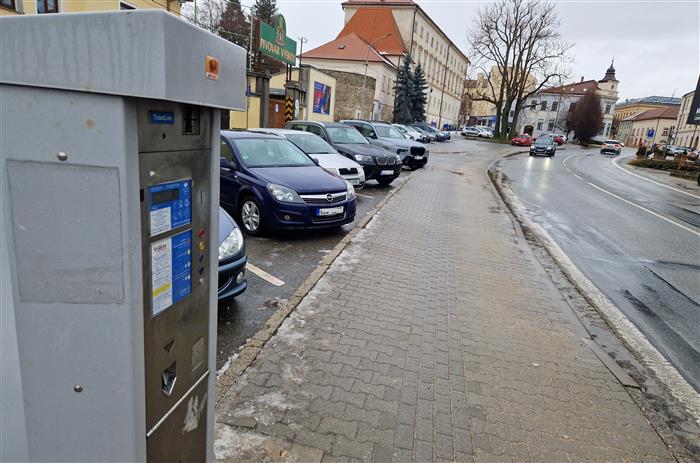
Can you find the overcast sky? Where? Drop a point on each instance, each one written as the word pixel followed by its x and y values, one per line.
pixel 656 43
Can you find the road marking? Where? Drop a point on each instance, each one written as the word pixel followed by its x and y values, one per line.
pixel 614 161
pixel 630 202
pixel 264 275
pixel 364 196
pixel 646 210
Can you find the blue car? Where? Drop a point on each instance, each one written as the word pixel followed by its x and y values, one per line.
pixel 272 184
pixel 232 258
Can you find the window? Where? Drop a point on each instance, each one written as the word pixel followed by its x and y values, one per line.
pixel 555 105
pixel 572 107
pixel 316 130
pixel 539 124
pixel 225 120
pixel 126 6
pixel 9 4
pixel 46 6
pixel 543 106
pixel 665 132
pixel 550 126
pixel 607 108
pixel 533 104
pixel 226 151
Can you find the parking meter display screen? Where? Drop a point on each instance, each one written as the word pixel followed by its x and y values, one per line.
pixel 169 206
pixel 171 271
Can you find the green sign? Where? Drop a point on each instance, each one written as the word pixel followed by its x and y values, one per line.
pixel 275 43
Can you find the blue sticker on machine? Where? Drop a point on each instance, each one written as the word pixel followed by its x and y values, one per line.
pixel 171 270
pixel 169 205
pixel 161 117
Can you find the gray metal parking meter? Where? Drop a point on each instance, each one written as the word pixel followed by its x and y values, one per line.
pixel 109 196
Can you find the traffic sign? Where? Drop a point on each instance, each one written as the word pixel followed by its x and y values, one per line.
pixel 650 133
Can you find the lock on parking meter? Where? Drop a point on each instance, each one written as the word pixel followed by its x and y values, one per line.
pixel 108 266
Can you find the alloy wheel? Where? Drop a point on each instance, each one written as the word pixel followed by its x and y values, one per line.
pixel 250 216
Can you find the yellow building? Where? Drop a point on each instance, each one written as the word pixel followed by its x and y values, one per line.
pixel 686 134
pixel 634 106
pixel 634 130
pixel 9 7
pixel 312 82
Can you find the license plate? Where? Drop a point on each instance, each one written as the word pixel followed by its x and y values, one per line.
pixel 354 182
pixel 387 172
pixel 418 158
pixel 323 212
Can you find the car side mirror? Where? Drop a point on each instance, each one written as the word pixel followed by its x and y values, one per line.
pixel 226 165
pixel 315 160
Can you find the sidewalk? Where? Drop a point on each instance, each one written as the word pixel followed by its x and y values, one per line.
pixel 434 336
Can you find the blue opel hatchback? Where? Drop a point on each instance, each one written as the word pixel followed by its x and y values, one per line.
pixel 270 183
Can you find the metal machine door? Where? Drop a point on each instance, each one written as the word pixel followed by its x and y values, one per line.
pixel 174 170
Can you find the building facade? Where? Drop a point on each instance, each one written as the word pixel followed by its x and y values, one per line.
pixel 382 33
pixel 660 122
pixel 548 110
pixel 9 7
pixel 630 107
pixel 686 134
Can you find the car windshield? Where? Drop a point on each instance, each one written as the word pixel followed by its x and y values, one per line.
pixel 522 135
pixel 271 152
pixel 612 142
pixel 386 131
pixel 544 141
pixel 346 136
pixel 311 144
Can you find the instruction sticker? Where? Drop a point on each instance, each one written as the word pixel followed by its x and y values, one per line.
pixel 169 205
pixel 171 270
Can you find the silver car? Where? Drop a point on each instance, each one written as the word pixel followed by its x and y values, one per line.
pixel 324 154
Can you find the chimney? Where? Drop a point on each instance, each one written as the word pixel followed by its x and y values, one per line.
pixel 581 78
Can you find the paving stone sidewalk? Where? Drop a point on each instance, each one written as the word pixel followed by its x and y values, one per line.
pixel 435 336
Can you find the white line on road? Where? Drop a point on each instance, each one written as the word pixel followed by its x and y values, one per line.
pixel 614 161
pixel 630 202
pixel 264 275
pixel 646 210
pixel 364 196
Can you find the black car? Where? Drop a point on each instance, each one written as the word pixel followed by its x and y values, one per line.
pixel 413 154
pixel 232 258
pixel 543 146
pixel 378 163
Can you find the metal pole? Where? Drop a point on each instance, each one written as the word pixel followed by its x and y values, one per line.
pixel 442 92
pixel 364 80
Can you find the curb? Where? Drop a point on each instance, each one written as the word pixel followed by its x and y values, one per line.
pixel 623 328
pixel 252 348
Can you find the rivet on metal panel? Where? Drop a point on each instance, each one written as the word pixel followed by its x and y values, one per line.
pixel 78 388
pixel 62 156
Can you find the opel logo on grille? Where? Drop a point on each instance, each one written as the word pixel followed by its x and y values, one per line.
pixel 329 197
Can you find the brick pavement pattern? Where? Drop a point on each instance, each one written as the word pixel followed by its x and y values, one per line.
pixel 435 336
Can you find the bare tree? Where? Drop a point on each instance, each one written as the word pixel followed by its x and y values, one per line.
pixel 204 13
pixel 517 45
pixel 224 18
pixel 587 118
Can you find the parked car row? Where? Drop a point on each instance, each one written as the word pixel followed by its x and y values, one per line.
pixel 304 176
pixel 476 131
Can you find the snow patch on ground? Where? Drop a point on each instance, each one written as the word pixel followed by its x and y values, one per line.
pixel 267 408
pixel 232 442
pixel 226 365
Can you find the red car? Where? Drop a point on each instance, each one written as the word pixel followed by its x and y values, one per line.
pixel 521 140
pixel 558 139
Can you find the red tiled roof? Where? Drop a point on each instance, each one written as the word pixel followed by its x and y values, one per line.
pixel 656 113
pixel 371 24
pixel 380 2
pixel 349 47
pixel 578 88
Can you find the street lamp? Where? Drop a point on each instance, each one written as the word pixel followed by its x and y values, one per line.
pixel 364 80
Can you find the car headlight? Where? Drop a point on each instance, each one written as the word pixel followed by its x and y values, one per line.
pixel 232 245
pixel 401 151
pixel 283 194
pixel 363 158
pixel 398 158
pixel 350 189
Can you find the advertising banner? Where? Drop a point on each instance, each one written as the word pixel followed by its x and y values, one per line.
pixel 273 41
pixel 322 98
pixel 694 114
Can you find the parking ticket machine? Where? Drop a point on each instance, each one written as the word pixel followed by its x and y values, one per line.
pixel 109 201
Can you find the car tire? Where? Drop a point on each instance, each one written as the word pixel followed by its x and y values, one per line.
pixel 385 181
pixel 250 209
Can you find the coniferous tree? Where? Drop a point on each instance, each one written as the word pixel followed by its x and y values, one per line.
pixel 420 99
pixel 403 93
pixel 233 24
pixel 265 10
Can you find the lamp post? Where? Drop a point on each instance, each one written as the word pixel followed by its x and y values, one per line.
pixel 364 80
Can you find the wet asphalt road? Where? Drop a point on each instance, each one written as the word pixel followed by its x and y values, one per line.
pixel 647 261
pixel 289 257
